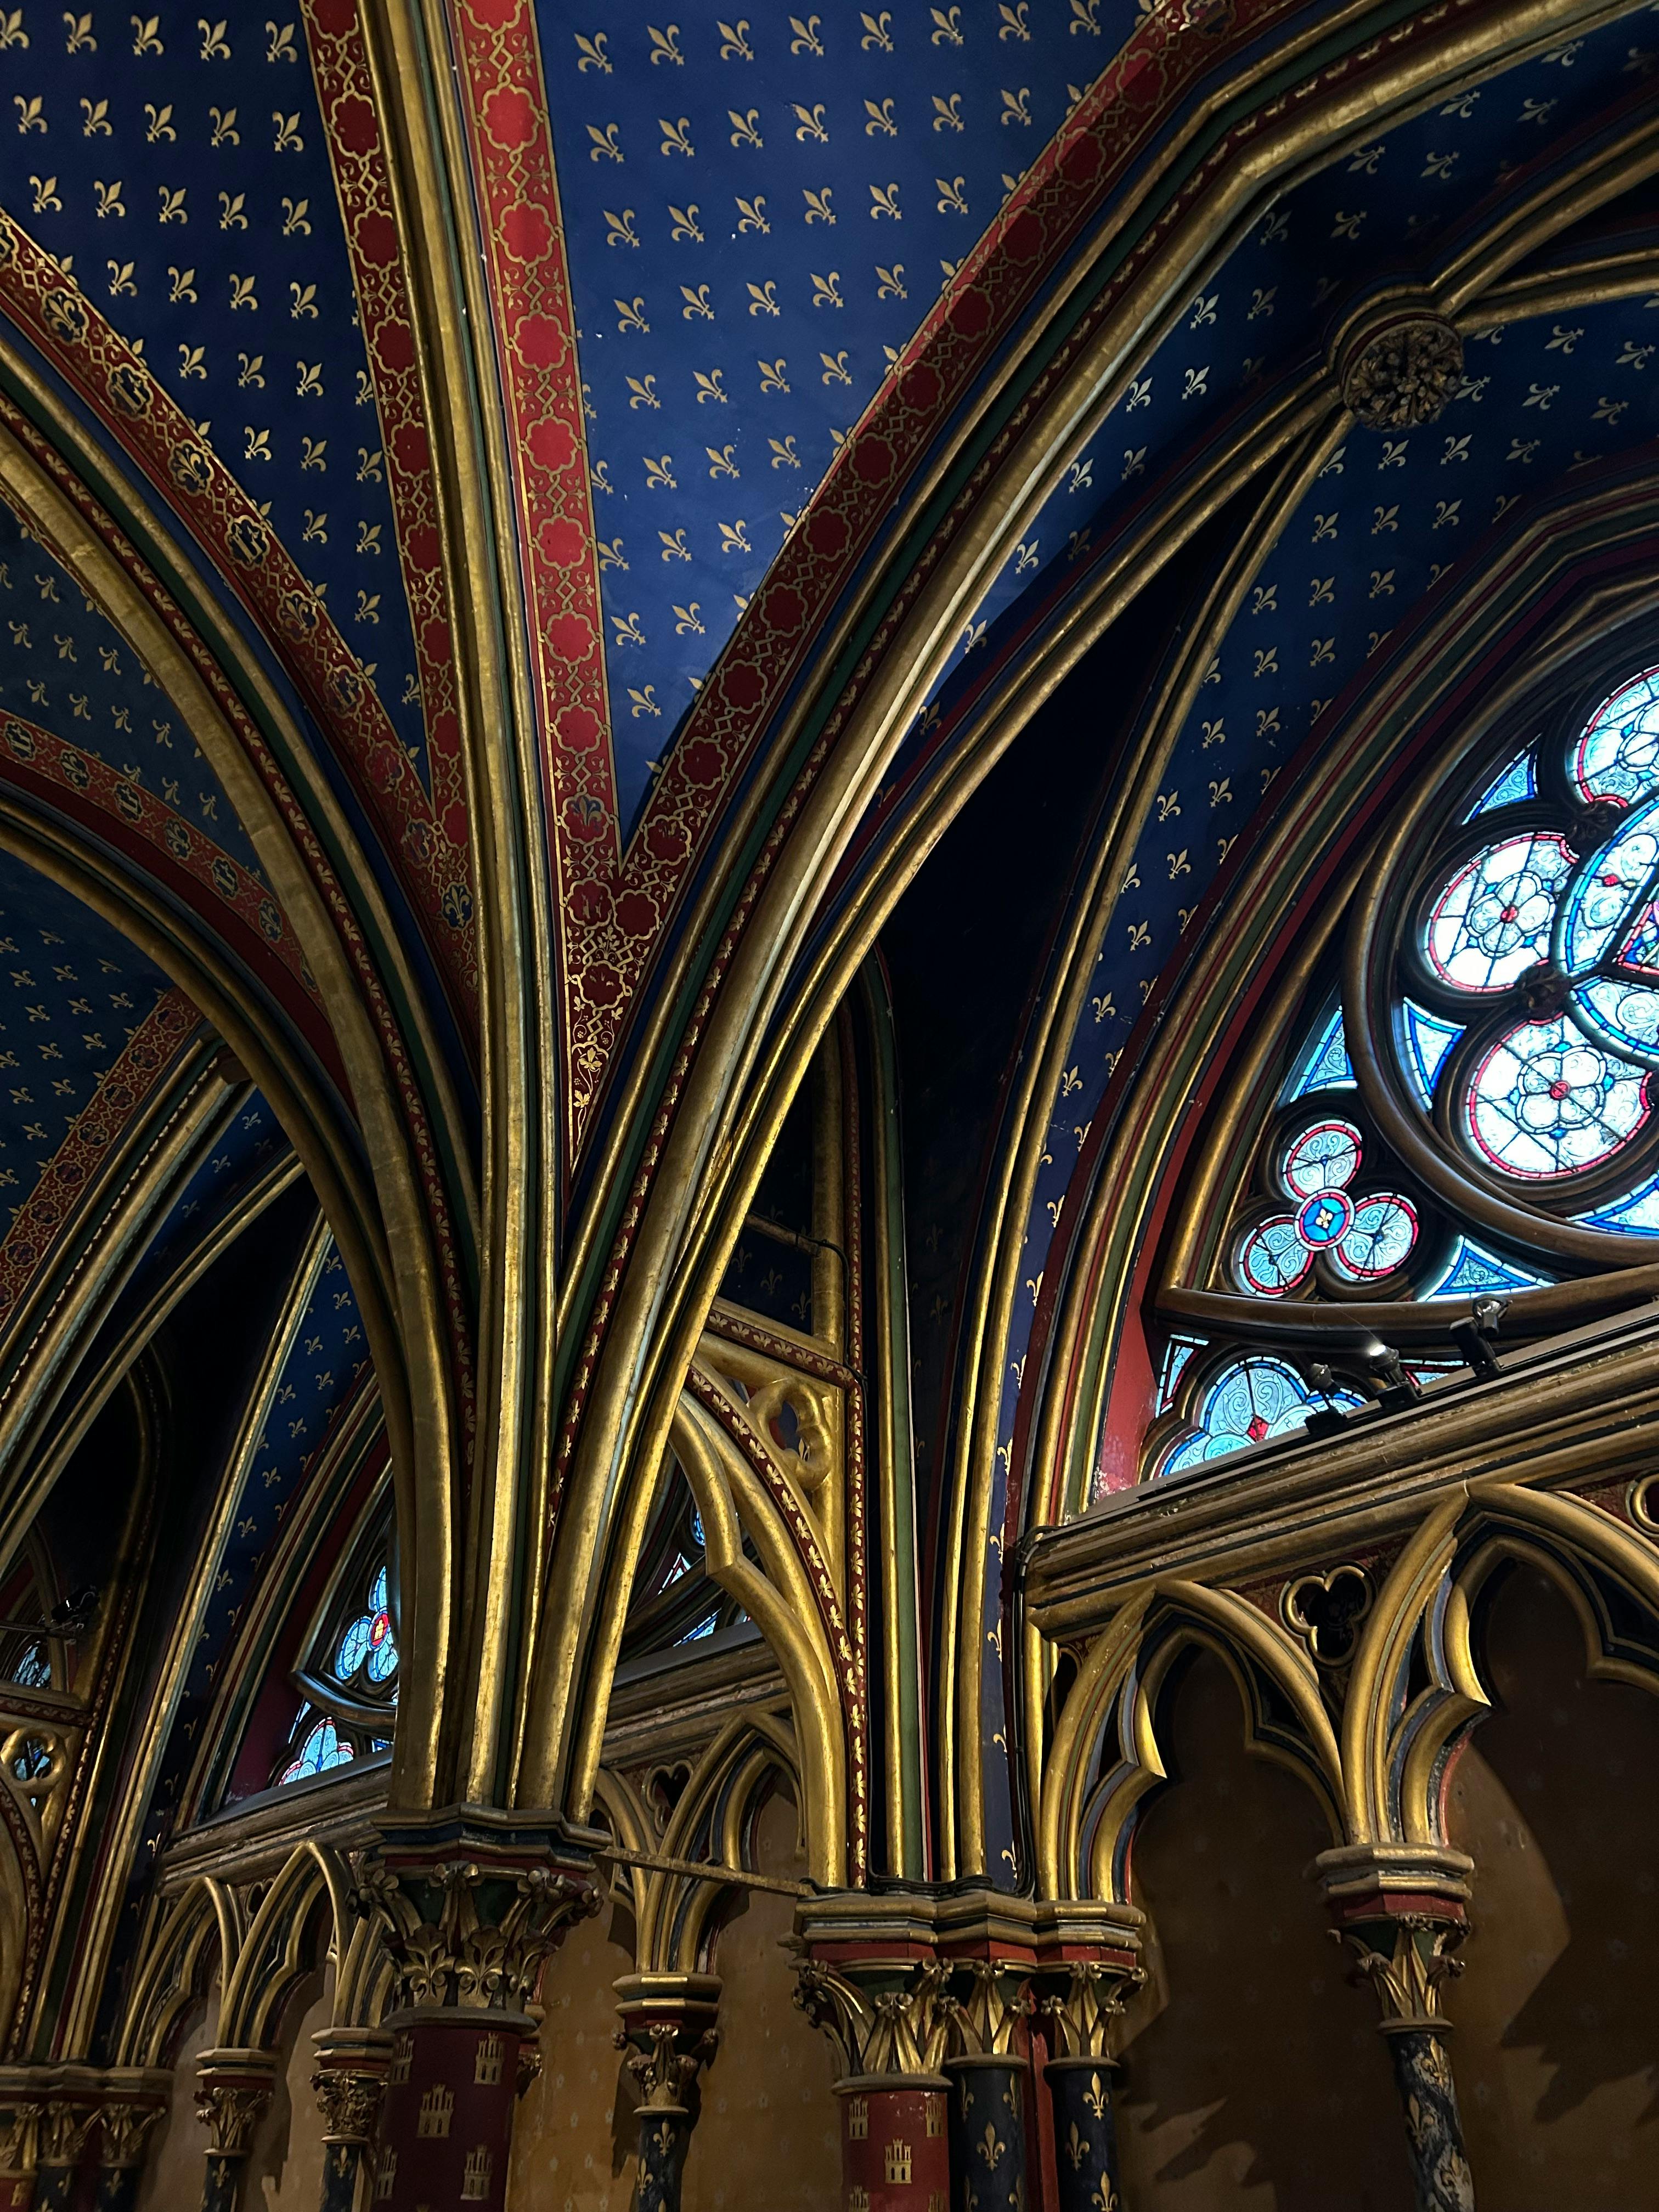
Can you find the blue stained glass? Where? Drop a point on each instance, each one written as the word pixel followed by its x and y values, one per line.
pixel 33 1669
pixel 1610 891
pixel 377 1593
pixel 354 1648
pixel 1252 1402
pixel 1472 1271
pixel 1636 1214
pixel 1428 1042
pixel 703 1628
pixel 1625 1015
pixel 322 1751
pixel 1517 781
pixel 697 1536
pixel 1325 1065
pixel 383 1659
pixel 1618 756
pixel 1177 1353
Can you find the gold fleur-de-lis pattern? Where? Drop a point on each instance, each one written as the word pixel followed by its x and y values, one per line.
pixel 761 209
pixel 177 166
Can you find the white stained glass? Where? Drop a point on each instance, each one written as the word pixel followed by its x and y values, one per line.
pixel 1379 1238
pixel 1543 1103
pixel 1323 1157
pixel 1274 1259
pixel 1618 756
pixel 1493 920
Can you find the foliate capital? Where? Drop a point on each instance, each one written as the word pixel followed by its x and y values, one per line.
pixel 668 2032
pixel 884 2016
pixel 994 1996
pixel 233 2087
pixel 465 1933
pixel 1409 1976
pixel 1083 2001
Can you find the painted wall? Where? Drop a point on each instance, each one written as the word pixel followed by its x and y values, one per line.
pixel 767 2133
pixel 1256 2080
pixel 1557 1803
pixel 173 2163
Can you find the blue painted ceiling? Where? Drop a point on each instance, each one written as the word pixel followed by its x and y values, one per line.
pixel 72 991
pixel 176 164
pixel 759 214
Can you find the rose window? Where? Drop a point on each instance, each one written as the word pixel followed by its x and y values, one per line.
pixel 1538 952
pixel 1363 1235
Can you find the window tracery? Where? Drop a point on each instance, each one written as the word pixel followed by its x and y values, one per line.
pixel 1476 1112
pixel 350 1675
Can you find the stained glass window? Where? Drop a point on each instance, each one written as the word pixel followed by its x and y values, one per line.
pixel 1365 1235
pixel 32 1669
pixel 1250 1401
pixel 1519 780
pixel 348 1677
pixel 320 1749
pixel 1325 1065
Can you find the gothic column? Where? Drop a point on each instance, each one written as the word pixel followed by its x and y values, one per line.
pixel 134 2099
pixel 988 1940
pixel 469 1937
pixel 1402 1910
pixel 989 2073
pixel 234 2088
pixel 668 2032
pixel 1090 1964
pixel 869 1980
pixel 68 2113
pixel 349 2082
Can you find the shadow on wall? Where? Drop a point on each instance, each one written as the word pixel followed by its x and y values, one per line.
pixel 1256 2080
pixel 1557 1803
pixel 767 2132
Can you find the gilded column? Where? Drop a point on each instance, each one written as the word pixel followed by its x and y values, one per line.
pixel 469 1938
pixel 1402 1910
pixel 349 2082
pixel 669 2033
pixel 886 2009
pixel 233 2091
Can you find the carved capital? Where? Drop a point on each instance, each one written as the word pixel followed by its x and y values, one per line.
pixel 1400 371
pixel 668 2032
pixel 1409 1976
pixel 468 1933
pixel 1082 2001
pixel 884 2016
pixel 992 1997
pixel 20 2132
pixel 350 2102
pixel 233 2087
pixel 127 2124
pixel 66 2125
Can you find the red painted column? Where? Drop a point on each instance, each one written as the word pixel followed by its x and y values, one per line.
pixel 446 2117
pixel 895 2154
